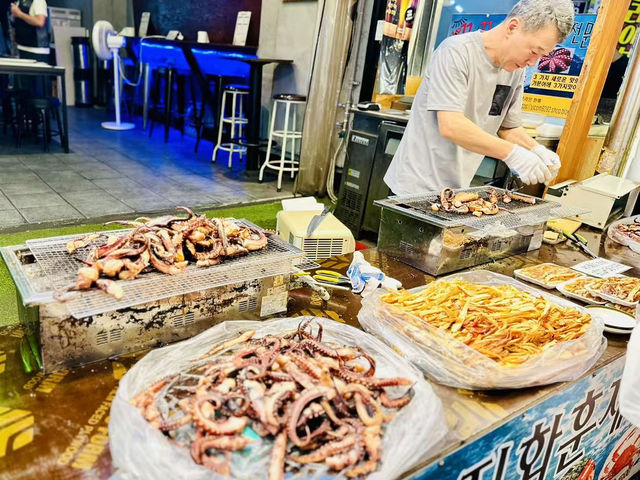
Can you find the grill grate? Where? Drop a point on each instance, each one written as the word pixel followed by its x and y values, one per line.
pixel 278 258
pixel 512 215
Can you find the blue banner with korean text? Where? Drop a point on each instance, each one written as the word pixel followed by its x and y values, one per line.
pixel 576 434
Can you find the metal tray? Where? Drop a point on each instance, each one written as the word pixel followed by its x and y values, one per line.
pixel 60 268
pixel 512 215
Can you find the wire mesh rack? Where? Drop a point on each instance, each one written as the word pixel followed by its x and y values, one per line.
pixel 511 215
pixel 278 258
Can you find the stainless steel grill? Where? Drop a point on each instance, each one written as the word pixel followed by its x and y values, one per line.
pixel 512 215
pixel 278 258
pixel 442 242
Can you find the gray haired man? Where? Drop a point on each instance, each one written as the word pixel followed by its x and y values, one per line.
pixel 469 104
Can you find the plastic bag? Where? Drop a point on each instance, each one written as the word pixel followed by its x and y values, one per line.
pixel 618 237
pixel 141 451
pixel 450 362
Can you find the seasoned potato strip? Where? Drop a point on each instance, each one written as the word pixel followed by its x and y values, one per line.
pixel 505 324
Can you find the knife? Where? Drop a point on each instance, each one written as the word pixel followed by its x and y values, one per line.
pixel 317 220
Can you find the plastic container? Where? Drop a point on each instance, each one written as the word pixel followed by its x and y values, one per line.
pixel 449 361
pixel 521 273
pixel 622 239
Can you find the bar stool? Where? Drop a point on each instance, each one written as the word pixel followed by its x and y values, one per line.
pixel 163 105
pixel 237 93
pixel 14 112
pixel 290 101
pixel 42 109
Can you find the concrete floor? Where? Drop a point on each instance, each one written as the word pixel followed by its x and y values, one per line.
pixel 112 174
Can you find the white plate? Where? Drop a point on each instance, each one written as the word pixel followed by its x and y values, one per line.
pixel 614 318
pixel 618 331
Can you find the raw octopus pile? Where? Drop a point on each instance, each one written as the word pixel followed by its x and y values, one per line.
pixel 166 244
pixel 319 401
pixel 470 202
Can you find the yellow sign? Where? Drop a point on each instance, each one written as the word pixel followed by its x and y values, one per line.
pixel 630 28
pixel 3 360
pixel 546 105
pixel 16 427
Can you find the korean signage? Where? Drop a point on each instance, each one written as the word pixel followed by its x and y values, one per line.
pixel 576 434
pixel 630 28
pixel 470 23
pixel 549 85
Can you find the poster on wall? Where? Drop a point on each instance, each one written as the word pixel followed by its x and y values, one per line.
pixel 549 85
pixel 576 434
pixel 398 23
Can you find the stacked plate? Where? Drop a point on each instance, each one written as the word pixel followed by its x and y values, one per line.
pixel 615 321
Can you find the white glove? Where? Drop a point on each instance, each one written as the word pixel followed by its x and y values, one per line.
pixel 550 159
pixel 527 166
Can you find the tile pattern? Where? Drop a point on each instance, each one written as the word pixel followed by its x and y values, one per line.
pixel 117 174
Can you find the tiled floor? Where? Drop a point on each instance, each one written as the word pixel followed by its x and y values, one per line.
pixel 113 174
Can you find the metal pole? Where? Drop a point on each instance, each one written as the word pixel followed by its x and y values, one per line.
pixel 116 84
pixel 145 94
pixel 621 142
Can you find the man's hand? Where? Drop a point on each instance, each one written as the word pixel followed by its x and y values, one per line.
pixel 550 159
pixel 528 166
pixel 15 10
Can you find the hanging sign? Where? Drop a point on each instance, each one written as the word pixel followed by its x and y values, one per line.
pixel 630 28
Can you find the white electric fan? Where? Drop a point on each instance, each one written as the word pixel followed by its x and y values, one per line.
pixel 106 44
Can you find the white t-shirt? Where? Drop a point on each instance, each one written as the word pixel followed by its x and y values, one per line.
pixel 38 7
pixel 461 77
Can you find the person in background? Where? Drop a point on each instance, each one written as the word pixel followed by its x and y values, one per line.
pixel 469 103
pixel 32 34
pixel 5 48
pixel 32 39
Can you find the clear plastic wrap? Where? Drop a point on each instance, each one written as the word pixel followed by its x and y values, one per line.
pixel 522 274
pixel 562 288
pixel 140 451
pixel 450 362
pixel 622 239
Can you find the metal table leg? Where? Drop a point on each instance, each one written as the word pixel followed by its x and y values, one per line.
pixel 145 95
pixel 65 123
pixel 253 128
